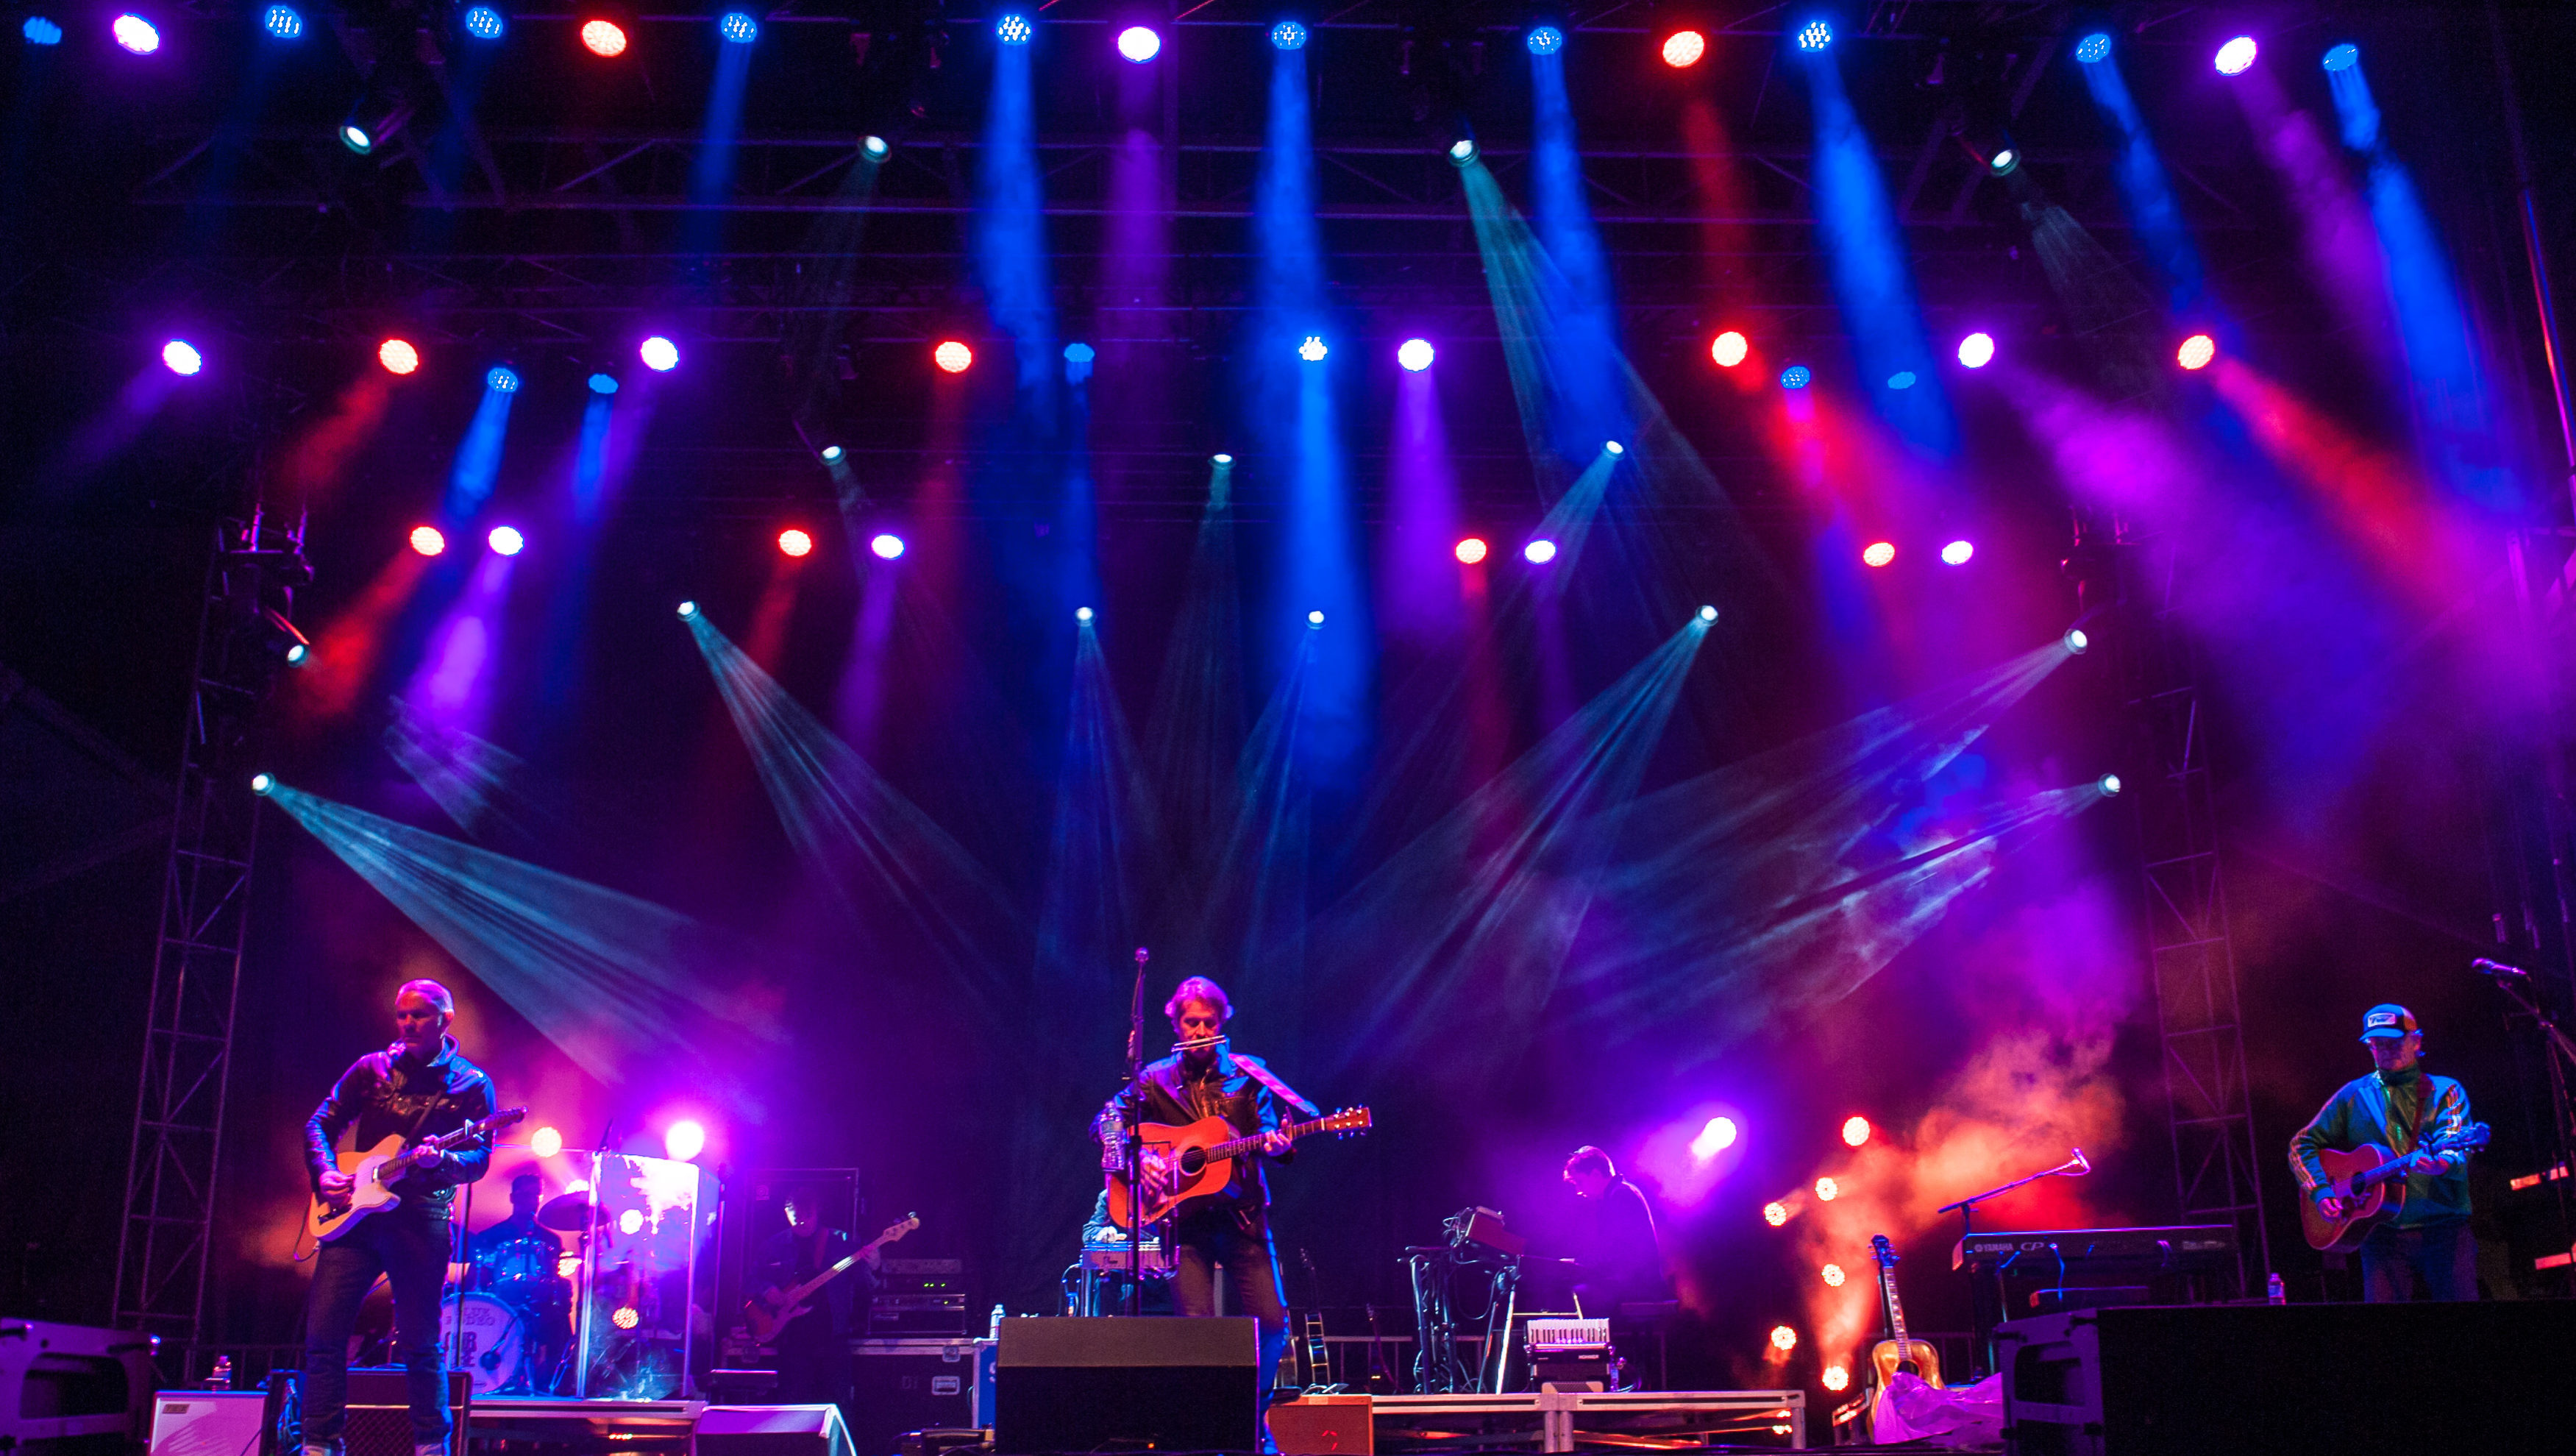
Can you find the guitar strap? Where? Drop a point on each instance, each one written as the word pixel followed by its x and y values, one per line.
pixel 1270 1079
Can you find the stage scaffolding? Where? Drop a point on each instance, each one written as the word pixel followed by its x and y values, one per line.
pixel 164 1248
pixel 2218 1167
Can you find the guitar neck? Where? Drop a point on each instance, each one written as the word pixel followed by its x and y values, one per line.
pixel 1239 1146
pixel 1895 1311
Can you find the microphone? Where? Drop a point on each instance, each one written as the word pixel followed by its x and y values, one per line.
pixel 2498 968
pixel 2074 1167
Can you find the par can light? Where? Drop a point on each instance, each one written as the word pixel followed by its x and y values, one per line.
pixel 1288 35
pixel 2236 57
pixel 605 39
pixel 1139 43
pixel 1683 48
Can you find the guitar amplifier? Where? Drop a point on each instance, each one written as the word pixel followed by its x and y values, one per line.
pixel 209 1422
pixel 380 1409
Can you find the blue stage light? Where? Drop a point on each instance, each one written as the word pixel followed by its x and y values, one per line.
pixel 1082 614
pixel 261 783
pixel 2109 784
pixel 1221 459
pixel 356 138
pixel 1815 36
pixel 502 380
pixel 1313 350
pixel 2343 57
pixel 1288 35
pixel 1079 353
pixel 40 31
pixel 1014 29
pixel 738 27
pixel 1796 376
pixel 1314 619
pixel 485 23
pixel 688 610
pixel 603 384
pixel 1545 40
pixel 2093 48
pixel 831 454
pixel 1708 614
pixel 283 22
pixel 1901 379
pixel 876 147
pixel 1613 447
pixel 1463 150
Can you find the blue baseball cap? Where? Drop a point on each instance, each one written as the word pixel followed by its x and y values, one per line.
pixel 2388 1020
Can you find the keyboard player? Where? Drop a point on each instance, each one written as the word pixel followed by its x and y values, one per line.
pixel 1106 1262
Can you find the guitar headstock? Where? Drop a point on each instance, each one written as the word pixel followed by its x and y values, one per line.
pixel 1883 1251
pixel 899 1228
pixel 1347 1122
pixel 499 1120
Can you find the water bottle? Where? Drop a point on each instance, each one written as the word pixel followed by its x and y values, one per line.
pixel 222 1379
pixel 2279 1292
pixel 998 1317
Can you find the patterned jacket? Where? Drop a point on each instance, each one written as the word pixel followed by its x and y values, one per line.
pixel 386 1095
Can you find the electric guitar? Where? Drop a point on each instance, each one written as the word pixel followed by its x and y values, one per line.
pixel 766 1313
pixel 2371 1181
pixel 1186 1163
pixel 1899 1354
pixel 376 1173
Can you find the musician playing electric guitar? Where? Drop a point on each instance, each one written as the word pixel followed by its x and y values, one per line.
pixel 415 1089
pixel 814 1347
pixel 2403 1107
pixel 1232 1227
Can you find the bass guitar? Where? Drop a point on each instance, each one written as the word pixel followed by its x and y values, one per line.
pixel 766 1313
pixel 1182 1164
pixel 1897 1354
pixel 376 1175
pixel 2371 1181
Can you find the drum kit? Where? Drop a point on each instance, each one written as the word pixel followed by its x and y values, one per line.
pixel 508 1326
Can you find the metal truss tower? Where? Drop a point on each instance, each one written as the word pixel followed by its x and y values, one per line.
pixel 2218 1168
pixel 243 637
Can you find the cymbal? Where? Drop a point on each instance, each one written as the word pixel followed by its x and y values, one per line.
pixel 569 1212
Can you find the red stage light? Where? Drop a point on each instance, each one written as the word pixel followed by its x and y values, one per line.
pixel 604 38
pixel 1684 48
pixel 1827 1190
pixel 1833 1275
pixel 1837 1377
pixel 1783 1338
pixel 2196 352
pixel 1729 349
pixel 428 540
pixel 1775 1214
pixel 795 542
pixel 1855 1130
pixel 1878 553
pixel 953 357
pixel 1472 549
pixel 398 356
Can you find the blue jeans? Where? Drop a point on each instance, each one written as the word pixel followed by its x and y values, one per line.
pixel 2443 1255
pixel 410 1247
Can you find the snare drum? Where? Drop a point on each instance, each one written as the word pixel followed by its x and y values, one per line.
pixel 493 1345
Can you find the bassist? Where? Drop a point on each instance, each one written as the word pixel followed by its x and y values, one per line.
pixel 2402 1106
pixel 814 1347
pixel 1233 1227
pixel 416 1088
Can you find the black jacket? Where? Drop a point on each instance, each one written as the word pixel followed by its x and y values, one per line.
pixel 1234 1094
pixel 397 1096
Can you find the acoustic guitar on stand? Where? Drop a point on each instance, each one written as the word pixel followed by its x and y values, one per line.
pixel 768 1312
pixel 2371 1181
pixel 1191 1162
pixel 1899 1354
pixel 377 1175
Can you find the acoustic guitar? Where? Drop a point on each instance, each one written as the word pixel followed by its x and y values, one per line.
pixel 2371 1181
pixel 1184 1164
pixel 768 1312
pixel 378 1173
pixel 1890 1356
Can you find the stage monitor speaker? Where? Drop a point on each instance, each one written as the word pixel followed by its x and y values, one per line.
pixel 2166 1380
pixel 1325 1425
pixel 1093 1384
pixel 73 1390
pixel 774 1430
pixel 209 1422
pixel 380 1410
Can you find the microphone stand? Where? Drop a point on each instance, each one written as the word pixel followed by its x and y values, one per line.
pixel 1134 1120
pixel 1967 1208
pixel 2560 1052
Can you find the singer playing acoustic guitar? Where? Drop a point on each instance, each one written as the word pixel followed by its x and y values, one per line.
pixel 2403 1107
pixel 416 1088
pixel 1205 1079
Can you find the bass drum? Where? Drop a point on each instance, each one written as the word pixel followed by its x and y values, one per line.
pixel 492 1347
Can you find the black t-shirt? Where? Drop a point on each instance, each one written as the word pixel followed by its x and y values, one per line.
pixel 1615 1242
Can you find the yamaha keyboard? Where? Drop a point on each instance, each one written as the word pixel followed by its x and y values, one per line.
pixel 2192 1248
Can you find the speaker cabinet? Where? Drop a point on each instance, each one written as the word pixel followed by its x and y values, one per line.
pixel 772 1430
pixel 71 1390
pixel 2186 1380
pixel 1090 1384
pixel 380 1410
pixel 209 1422
pixel 899 1386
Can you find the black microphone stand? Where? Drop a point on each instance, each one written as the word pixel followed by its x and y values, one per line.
pixel 2560 1052
pixel 1967 1209
pixel 1133 1120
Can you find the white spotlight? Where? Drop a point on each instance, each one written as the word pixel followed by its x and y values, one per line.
pixel 688 610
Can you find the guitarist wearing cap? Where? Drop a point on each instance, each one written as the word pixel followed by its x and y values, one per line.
pixel 413 1090
pixel 1232 1227
pixel 2403 1107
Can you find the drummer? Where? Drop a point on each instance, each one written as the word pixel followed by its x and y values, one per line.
pixel 517 1259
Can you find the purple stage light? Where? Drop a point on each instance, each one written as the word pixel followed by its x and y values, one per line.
pixel 507 540
pixel 1139 43
pixel 1958 552
pixel 1414 354
pixel 659 354
pixel 886 545
pixel 2237 56
pixel 182 357
pixel 1715 1136
pixel 136 34
pixel 684 1139
pixel 1539 552
pixel 1977 350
